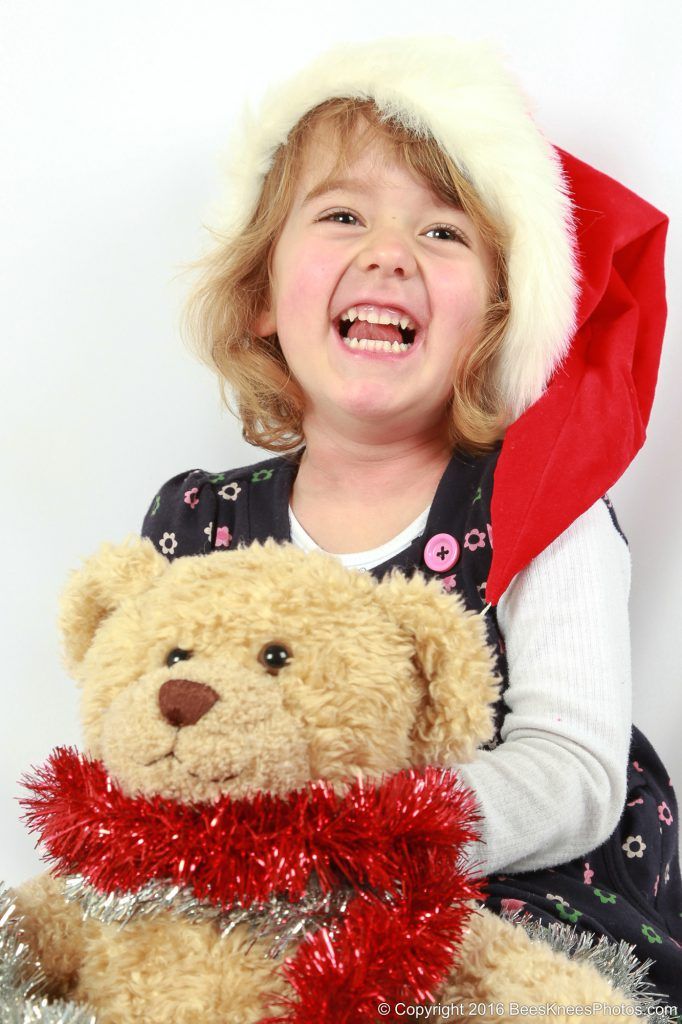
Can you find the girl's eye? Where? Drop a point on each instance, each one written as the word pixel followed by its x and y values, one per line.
pixel 340 217
pixel 274 656
pixel 176 655
pixel 447 233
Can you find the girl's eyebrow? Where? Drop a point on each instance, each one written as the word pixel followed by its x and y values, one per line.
pixel 328 185
pixel 361 186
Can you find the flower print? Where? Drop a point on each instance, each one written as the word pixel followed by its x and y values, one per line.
pixel 636 765
pixel 481 588
pixel 665 814
pixel 604 897
pixel 156 504
pixel 230 491
pixel 666 874
pixel 168 543
pixel 474 539
pixel 567 913
pixel 634 846
pixel 192 497
pixel 208 530
pixel 588 874
pixel 217 479
pixel 512 906
pixel 650 933
pixel 449 583
pixel 477 497
pixel 261 474
pixel 557 899
pixel 490 533
pixel 658 878
pixel 222 537
pixel 633 803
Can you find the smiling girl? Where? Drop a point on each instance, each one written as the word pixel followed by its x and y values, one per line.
pixel 394 306
pixel 378 287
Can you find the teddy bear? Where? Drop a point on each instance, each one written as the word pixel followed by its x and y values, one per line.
pixel 236 707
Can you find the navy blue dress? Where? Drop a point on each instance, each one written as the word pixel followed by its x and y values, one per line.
pixel 630 887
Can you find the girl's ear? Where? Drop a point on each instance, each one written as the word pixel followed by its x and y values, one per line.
pixel 265 324
pixel 454 663
pixel 93 592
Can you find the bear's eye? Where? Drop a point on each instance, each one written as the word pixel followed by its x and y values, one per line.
pixel 274 656
pixel 176 655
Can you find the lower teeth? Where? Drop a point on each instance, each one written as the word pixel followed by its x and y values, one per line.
pixel 373 345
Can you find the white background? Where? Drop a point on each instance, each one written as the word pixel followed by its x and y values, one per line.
pixel 114 119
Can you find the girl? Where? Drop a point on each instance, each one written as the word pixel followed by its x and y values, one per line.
pixel 450 331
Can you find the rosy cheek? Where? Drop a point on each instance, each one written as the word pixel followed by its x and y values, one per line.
pixel 469 295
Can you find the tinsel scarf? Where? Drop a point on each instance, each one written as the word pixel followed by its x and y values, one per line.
pixel 399 844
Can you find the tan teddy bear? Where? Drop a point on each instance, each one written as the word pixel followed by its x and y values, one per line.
pixel 236 674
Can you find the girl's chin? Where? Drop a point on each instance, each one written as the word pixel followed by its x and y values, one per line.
pixel 370 402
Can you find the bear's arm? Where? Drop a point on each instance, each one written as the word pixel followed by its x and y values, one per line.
pixel 54 930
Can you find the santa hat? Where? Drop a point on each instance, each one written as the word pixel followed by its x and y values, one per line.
pixel 573 444
pixel 585 270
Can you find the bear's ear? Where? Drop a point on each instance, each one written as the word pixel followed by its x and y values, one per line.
pixel 455 664
pixel 92 592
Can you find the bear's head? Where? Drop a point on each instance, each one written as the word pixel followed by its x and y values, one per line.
pixel 263 668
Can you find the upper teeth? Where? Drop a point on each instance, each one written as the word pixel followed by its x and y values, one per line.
pixel 378 318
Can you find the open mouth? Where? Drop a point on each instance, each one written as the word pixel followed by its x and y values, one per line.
pixel 376 332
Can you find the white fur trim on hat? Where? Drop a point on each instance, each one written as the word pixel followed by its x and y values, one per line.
pixel 461 94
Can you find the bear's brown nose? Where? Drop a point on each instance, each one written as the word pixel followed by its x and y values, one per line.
pixel 184 702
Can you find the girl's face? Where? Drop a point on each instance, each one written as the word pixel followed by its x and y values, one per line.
pixel 376 245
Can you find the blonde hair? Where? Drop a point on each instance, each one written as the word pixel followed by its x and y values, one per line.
pixel 234 286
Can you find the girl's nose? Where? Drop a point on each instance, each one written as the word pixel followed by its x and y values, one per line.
pixel 389 252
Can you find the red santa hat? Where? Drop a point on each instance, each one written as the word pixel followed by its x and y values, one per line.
pixel 579 359
pixel 578 438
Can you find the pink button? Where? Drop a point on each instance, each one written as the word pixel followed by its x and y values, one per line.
pixel 441 552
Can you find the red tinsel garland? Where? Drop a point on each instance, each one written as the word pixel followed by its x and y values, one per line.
pixel 403 837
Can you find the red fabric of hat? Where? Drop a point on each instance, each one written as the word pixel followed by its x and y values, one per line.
pixel 568 448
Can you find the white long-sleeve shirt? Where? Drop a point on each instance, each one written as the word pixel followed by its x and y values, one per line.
pixel 555 786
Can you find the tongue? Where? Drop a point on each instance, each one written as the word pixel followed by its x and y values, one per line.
pixel 380 332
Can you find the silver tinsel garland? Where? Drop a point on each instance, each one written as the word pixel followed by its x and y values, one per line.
pixel 22 982
pixel 284 923
pixel 277 919
pixel 616 961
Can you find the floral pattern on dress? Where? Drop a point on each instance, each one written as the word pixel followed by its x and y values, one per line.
pixel 474 540
pixel 223 537
pixel 230 492
pixel 634 846
pixel 604 896
pixel 192 497
pixel 168 543
pixel 665 814
pixel 651 934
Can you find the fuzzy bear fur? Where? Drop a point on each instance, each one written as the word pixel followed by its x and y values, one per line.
pixel 382 676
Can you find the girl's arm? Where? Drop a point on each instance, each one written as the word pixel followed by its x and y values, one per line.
pixel 555 787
